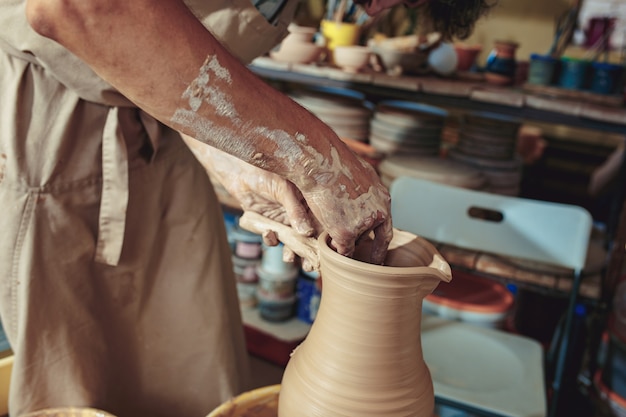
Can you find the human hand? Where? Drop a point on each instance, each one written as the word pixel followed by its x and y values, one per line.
pixel 351 203
pixel 259 191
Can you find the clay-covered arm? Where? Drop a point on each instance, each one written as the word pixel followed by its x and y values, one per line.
pixel 160 56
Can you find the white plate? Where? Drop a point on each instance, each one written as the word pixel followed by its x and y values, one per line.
pixel 484 368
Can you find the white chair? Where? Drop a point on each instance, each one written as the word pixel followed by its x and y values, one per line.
pixel 552 233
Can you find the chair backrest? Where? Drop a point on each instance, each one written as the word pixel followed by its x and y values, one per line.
pixel 552 233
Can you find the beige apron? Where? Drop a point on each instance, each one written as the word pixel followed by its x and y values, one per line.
pixel 116 287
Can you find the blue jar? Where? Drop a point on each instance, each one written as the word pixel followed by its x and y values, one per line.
pixel 574 73
pixel 606 78
pixel 308 295
pixel 542 69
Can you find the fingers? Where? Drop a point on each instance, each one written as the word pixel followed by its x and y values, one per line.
pixel 383 233
pixel 297 212
pixel 289 255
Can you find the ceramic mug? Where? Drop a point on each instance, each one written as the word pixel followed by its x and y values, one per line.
pixel 339 34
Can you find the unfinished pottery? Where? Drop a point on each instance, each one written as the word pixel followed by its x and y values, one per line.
pixel 363 355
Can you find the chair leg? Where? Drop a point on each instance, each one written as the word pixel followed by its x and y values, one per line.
pixel 564 346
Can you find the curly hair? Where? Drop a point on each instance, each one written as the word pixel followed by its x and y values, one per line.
pixel 456 18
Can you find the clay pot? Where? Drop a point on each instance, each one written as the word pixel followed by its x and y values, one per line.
pixel 501 63
pixel 300 33
pixel 363 355
pixel 466 55
pixel 298 46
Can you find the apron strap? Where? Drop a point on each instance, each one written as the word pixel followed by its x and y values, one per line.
pixel 114 200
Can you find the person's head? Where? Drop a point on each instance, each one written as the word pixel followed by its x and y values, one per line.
pixel 451 18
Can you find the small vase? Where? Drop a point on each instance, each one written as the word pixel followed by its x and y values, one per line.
pixel 501 63
pixel 363 354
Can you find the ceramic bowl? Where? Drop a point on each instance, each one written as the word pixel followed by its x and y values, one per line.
pixel 352 58
pixel 397 61
pixel 297 52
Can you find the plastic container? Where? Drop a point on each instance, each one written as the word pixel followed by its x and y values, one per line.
pixel 277 279
pixel 246 244
pixel 606 78
pixel 542 69
pixel 247 280
pixel 309 296
pixel 275 310
pixel 261 401
pixel 471 299
pixel 574 73
pixel 277 286
pixel 245 269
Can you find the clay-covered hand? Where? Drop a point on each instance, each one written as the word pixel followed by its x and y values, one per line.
pixel 257 190
pixel 351 203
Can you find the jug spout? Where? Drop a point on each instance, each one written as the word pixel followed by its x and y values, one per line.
pixel 442 267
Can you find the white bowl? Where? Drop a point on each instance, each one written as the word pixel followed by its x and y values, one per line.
pixel 297 52
pixel 353 58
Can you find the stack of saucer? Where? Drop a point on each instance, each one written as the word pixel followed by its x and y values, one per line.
pixel 487 141
pixel 345 111
pixel 431 168
pixel 407 128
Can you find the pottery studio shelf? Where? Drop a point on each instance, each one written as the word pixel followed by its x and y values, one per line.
pixel 467 93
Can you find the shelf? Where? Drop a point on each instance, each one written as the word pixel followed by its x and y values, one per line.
pixel 454 93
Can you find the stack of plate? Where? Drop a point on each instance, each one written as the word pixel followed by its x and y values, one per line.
pixel 408 128
pixel 431 168
pixel 487 141
pixel 345 111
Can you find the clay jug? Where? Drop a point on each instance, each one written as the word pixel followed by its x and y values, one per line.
pixel 363 354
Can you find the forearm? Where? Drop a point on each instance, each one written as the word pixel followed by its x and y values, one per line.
pixel 162 58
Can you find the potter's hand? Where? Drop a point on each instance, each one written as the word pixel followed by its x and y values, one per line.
pixel 350 202
pixel 257 190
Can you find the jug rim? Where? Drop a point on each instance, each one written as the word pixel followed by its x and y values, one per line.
pixel 436 265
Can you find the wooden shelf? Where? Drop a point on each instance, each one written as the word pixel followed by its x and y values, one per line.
pixel 461 93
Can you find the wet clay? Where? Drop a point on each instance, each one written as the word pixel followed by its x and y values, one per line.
pixel 363 355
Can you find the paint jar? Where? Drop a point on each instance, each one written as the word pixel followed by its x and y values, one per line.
pixel 275 310
pixel 308 295
pixel 277 279
pixel 606 78
pixel 247 280
pixel 247 245
pixel 542 69
pixel 574 73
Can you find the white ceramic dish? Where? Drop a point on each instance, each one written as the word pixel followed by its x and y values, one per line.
pixel 484 368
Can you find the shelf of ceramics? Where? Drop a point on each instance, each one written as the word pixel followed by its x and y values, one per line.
pixel 455 93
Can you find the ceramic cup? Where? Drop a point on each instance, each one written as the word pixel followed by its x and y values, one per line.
pixel 542 69
pixel 339 34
